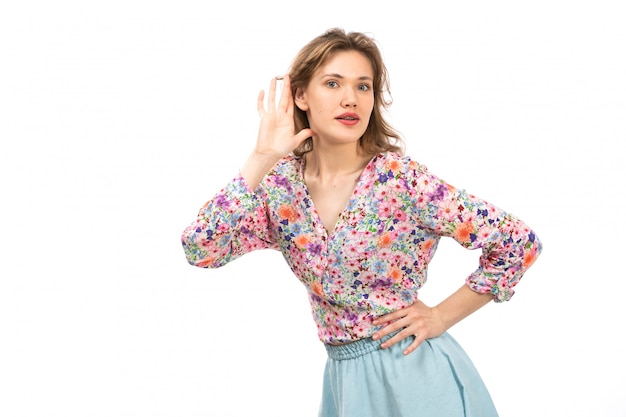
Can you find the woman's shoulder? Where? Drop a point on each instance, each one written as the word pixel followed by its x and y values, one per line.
pixel 399 163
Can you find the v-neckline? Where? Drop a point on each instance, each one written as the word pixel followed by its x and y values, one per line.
pixel 329 233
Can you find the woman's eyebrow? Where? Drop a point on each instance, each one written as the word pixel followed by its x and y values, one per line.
pixel 335 75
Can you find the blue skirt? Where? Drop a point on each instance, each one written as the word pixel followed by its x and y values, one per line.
pixel 437 380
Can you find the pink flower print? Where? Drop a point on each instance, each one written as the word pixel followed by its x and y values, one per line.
pixel 384 210
pixel 400 215
pixel 484 232
pixel 468 217
pixel 352 251
pixel 361 246
pixel 398 186
pixel 223 227
pixel 427 185
pixel 385 253
pixel 517 234
pixel 448 210
pixel 318 269
pixel 382 193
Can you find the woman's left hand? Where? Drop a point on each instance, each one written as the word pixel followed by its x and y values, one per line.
pixel 416 320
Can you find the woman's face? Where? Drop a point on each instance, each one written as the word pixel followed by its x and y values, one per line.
pixel 339 99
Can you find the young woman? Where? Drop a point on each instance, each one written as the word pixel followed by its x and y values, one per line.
pixel 358 222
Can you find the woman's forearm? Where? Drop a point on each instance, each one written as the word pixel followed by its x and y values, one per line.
pixel 461 304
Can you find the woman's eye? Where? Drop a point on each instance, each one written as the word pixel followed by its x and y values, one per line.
pixel 364 87
pixel 332 84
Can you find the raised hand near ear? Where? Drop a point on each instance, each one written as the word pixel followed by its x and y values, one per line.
pixel 277 136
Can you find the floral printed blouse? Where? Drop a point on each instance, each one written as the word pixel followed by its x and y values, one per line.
pixel 376 258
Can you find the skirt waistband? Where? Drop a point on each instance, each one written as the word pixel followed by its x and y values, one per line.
pixel 355 349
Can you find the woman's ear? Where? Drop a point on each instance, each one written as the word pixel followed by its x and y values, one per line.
pixel 300 100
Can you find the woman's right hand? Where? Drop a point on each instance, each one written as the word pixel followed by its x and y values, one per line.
pixel 277 136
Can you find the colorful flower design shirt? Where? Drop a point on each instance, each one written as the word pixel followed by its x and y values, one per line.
pixel 376 258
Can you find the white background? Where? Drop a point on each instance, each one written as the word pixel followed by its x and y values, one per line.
pixel 119 119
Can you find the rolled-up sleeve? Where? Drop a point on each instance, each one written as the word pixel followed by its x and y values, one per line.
pixel 509 247
pixel 234 222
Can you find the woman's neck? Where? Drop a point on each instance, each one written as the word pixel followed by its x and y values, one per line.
pixel 329 162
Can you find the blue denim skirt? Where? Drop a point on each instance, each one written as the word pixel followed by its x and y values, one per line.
pixel 437 380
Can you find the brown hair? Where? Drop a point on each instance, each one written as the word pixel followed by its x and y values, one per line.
pixel 379 135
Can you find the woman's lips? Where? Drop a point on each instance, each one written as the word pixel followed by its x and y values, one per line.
pixel 348 119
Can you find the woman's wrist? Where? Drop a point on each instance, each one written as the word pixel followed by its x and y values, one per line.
pixel 256 166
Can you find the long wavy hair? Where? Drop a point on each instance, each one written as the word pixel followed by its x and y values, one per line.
pixel 379 136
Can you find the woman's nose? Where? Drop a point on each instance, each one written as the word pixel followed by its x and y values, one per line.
pixel 349 99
